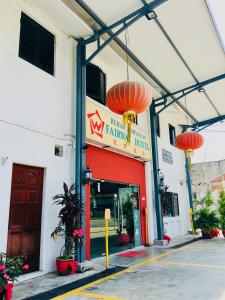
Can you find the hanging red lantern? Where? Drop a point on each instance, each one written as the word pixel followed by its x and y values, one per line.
pixel 128 98
pixel 189 141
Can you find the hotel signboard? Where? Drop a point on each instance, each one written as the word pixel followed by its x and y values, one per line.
pixel 106 129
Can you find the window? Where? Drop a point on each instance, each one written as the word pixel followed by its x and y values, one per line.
pixel 158 125
pixel 170 204
pixel 172 134
pixel 96 83
pixel 58 150
pixel 36 44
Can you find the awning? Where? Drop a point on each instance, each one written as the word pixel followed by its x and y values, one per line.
pixel 179 48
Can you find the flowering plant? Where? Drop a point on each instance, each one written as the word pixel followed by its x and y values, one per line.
pixel 69 225
pixel 10 269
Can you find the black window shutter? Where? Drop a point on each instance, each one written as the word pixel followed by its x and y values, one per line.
pixel 36 44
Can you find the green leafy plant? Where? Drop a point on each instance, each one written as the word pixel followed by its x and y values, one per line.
pixel 208 199
pixel 69 225
pixel 221 209
pixel 205 202
pixel 129 216
pixel 205 219
pixel 10 269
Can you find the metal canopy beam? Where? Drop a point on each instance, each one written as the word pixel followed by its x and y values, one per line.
pixel 143 11
pixel 203 124
pixel 196 86
pixel 81 99
pixel 188 90
pixel 132 56
pixel 81 94
pixel 126 21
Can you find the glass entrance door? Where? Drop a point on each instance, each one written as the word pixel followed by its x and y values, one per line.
pixel 124 226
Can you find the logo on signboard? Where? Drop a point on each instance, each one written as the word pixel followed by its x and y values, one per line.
pixel 96 123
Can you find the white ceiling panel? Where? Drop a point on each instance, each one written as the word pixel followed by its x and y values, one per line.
pixel 199 106
pixel 190 27
pixel 111 11
pixel 157 54
pixel 216 92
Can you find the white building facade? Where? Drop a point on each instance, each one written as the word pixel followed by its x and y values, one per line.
pixel 37 130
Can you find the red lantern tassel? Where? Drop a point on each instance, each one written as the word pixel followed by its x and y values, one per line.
pixel 129 117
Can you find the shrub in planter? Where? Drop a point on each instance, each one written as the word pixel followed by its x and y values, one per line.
pixel 10 269
pixel 129 216
pixel 207 221
pixel 69 227
pixel 221 210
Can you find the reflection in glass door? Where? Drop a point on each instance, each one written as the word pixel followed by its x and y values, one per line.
pixel 124 226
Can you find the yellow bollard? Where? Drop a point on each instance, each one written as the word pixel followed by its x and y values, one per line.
pixel 192 224
pixel 107 218
pixel 146 228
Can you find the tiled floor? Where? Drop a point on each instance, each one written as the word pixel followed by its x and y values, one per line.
pixel 52 280
pixel 195 271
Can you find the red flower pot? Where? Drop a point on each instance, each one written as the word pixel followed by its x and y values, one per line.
pixel 167 238
pixel 65 267
pixel 124 240
pixel 9 289
pixel 223 232
pixel 214 233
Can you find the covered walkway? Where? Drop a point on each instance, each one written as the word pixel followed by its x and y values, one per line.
pixel 195 271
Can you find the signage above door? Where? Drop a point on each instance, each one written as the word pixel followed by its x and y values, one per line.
pixel 106 129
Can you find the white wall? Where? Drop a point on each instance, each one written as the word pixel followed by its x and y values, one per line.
pixel 35 116
pixel 175 174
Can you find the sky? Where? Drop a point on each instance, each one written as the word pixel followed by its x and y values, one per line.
pixel 214 147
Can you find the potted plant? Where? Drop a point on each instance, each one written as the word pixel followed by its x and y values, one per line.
pixel 10 269
pixel 207 221
pixel 129 217
pixel 221 210
pixel 69 227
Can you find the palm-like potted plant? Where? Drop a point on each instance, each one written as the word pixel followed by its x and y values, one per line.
pixel 221 210
pixel 69 227
pixel 207 221
pixel 129 216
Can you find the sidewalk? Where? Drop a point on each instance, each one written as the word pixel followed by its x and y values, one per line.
pixel 51 281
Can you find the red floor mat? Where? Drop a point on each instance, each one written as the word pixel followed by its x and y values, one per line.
pixel 131 254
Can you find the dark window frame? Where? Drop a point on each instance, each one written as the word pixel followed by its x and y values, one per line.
pixel 170 205
pixel 172 134
pixel 40 57
pixel 99 95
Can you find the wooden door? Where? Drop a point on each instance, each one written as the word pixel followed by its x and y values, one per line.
pixel 24 230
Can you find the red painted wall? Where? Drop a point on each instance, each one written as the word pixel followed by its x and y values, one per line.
pixel 111 166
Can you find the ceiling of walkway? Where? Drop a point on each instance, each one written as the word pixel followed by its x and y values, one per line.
pixel 180 47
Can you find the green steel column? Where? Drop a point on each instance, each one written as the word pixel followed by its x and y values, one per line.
pixel 155 162
pixel 80 164
pixel 189 183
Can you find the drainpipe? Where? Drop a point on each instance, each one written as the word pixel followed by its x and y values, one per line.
pixel 189 184
pixel 190 194
pixel 80 164
pixel 155 164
